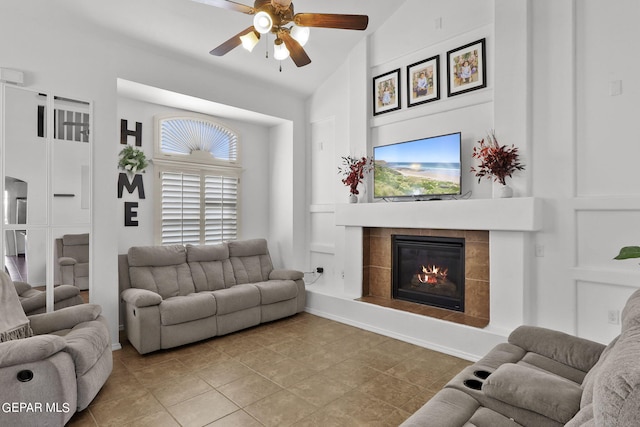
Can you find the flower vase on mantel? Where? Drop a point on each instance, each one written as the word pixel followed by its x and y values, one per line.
pixel 354 170
pixel 497 163
pixel 502 191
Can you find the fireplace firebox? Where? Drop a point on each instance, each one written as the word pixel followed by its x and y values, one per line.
pixel 429 270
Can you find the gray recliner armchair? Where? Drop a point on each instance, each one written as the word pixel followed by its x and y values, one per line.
pixel 55 362
pixel 72 260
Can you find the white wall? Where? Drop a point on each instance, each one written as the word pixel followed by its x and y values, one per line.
pixel 555 64
pixel 584 159
pixel 254 148
pixel 341 121
pixel 61 54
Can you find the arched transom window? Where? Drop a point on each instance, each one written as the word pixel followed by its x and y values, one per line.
pixel 198 139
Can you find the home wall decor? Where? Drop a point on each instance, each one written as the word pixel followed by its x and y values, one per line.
pixel 386 92
pixel 466 68
pixel 423 81
pixel 130 208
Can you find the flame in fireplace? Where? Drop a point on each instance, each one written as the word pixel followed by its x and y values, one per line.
pixel 431 274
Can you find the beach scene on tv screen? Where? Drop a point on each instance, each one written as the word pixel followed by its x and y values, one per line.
pixel 424 167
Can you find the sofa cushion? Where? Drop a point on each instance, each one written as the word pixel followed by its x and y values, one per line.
pixel 85 343
pixel 538 391
pixel 76 246
pixel 250 260
pixel 273 291
pixel 237 298
pixel 210 267
pixel 584 418
pixel 616 391
pixel 501 354
pixel 589 379
pixel 286 275
pixel 169 281
pixel 182 309
pixel 485 417
pixel 538 361
pixel 567 349
pixel 631 312
pixel 156 256
pixel 160 269
pixel 75 239
pixel 82 269
pixel 450 407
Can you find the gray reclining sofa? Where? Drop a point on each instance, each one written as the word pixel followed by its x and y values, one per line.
pixel 542 377
pixel 175 295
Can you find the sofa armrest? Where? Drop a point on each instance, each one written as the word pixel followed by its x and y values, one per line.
pixel 140 297
pixel 38 301
pixel 65 260
pixel 63 292
pixel 538 391
pixel 286 275
pixel 65 318
pixel 27 350
pixel 570 350
pixel 21 287
pixel 33 303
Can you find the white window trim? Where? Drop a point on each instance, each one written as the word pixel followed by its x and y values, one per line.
pixel 202 163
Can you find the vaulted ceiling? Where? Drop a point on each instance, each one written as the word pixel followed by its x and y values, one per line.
pixel 187 28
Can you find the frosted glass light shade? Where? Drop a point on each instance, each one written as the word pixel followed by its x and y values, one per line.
pixel 262 22
pixel 280 51
pixel 250 40
pixel 300 34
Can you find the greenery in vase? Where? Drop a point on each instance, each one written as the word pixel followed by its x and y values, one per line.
pixel 132 160
pixel 496 161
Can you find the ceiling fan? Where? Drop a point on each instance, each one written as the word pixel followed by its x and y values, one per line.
pixel 274 16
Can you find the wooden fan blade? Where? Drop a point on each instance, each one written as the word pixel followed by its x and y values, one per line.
pixel 229 5
pixel 330 20
pixel 297 53
pixel 230 44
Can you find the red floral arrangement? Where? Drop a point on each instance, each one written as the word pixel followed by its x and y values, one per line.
pixel 496 161
pixel 354 169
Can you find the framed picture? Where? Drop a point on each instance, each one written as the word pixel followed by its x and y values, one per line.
pixel 386 92
pixel 423 81
pixel 466 68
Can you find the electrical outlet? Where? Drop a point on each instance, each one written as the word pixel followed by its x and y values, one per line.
pixel 613 317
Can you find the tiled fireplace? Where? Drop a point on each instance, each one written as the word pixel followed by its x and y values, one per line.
pixel 509 223
pixel 378 274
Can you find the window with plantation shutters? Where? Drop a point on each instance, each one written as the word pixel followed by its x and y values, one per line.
pixel 220 208
pixel 197 201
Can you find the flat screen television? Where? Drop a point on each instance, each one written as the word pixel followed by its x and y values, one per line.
pixel 421 169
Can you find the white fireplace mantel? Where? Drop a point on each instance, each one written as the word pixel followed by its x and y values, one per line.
pixel 514 214
pixel 511 224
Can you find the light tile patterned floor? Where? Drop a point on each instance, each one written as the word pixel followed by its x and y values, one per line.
pixel 300 371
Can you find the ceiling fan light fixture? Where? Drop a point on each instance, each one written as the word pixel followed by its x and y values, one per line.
pixel 250 40
pixel 262 22
pixel 280 51
pixel 300 34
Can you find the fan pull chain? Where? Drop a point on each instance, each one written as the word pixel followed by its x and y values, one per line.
pixel 266 51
